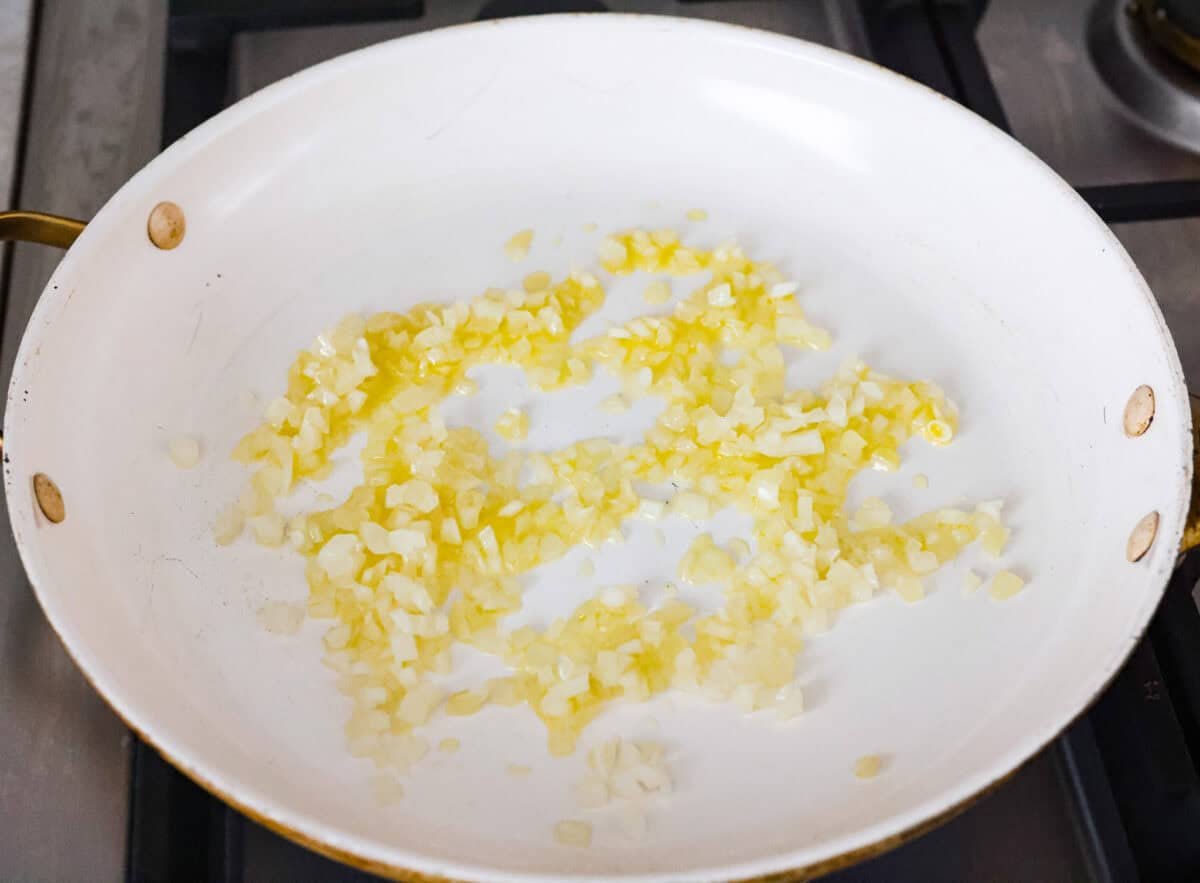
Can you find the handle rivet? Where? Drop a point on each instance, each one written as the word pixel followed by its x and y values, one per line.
pixel 1142 537
pixel 49 498
pixel 1139 411
pixel 166 225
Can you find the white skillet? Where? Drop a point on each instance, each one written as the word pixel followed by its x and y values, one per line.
pixel 931 244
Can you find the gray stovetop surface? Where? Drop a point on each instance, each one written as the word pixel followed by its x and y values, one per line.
pixel 95 111
pixel 14 42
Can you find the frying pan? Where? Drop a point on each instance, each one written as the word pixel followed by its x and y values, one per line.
pixel 930 244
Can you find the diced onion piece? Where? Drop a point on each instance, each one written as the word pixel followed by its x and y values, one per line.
pixel 1004 585
pixel 517 247
pixel 338 556
pixel 513 425
pixel 571 832
pixel 790 704
pixel 466 702
pixel 418 704
pixel 994 539
pixel 613 253
pixel 910 589
pixel 938 432
pixel 268 529
pixel 417 494
pixel 721 295
pixel 539 281
pixel 868 766
pixel 184 451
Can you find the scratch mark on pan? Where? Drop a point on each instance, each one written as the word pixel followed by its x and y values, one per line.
pixel 195 331
pixel 462 109
pixel 180 562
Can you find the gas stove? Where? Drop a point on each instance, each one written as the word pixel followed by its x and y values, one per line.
pixel 1107 93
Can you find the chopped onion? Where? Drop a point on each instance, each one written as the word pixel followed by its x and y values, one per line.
pixel 570 832
pixel 184 451
pixel 868 766
pixel 428 551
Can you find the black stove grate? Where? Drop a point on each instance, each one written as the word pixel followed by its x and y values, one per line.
pixel 1128 768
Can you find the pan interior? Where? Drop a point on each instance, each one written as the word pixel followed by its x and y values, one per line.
pixel 929 244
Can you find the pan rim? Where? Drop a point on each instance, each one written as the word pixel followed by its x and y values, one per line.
pixel 403 863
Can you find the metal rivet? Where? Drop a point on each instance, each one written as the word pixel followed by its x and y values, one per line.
pixel 49 498
pixel 1139 411
pixel 1142 537
pixel 166 225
